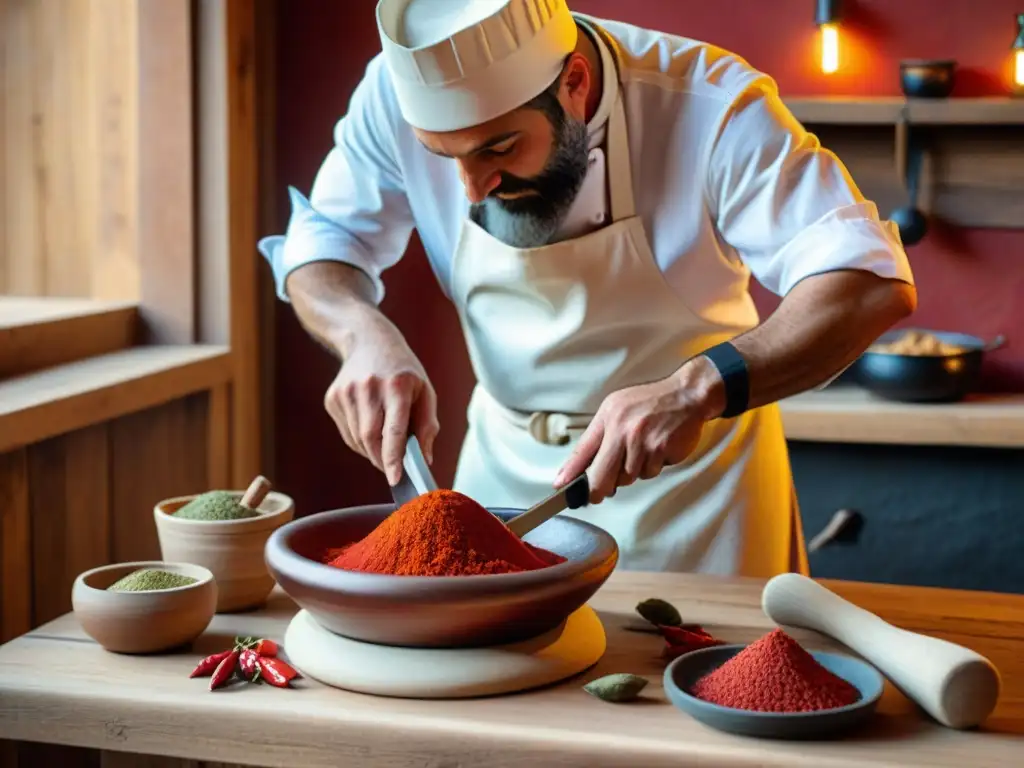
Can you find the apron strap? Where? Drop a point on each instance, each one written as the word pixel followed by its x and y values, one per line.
pixel 620 174
pixel 620 171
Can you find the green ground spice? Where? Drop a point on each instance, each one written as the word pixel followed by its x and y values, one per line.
pixel 215 505
pixel 149 580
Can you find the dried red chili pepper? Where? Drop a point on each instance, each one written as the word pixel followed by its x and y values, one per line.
pixel 265 647
pixel 224 670
pixel 276 672
pixel 681 636
pixel 680 641
pixel 247 664
pixel 206 667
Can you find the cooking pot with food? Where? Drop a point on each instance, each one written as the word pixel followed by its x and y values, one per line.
pixel 917 365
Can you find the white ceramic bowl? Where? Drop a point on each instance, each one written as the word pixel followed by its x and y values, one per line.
pixel 143 622
pixel 231 549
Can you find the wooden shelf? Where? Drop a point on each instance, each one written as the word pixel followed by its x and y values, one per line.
pixel 64 398
pixel 846 414
pixel 843 110
pixel 37 333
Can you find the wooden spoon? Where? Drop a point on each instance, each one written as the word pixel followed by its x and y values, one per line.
pixel 255 493
pixel 953 684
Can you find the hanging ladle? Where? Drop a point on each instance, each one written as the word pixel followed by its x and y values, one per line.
pixel 909 219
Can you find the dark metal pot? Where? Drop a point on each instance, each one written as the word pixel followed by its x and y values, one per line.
pixel 924 378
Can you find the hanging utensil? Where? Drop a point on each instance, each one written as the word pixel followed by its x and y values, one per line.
pixel 910 153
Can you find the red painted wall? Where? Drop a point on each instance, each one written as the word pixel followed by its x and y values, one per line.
pixel 968 279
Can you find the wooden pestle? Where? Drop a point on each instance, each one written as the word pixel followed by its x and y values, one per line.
pixel 256 492
pixel 953 684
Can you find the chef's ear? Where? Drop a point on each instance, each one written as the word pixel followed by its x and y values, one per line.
pixel 576 84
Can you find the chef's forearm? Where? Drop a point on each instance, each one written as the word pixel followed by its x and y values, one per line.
pixel 333 302
pixel 819 328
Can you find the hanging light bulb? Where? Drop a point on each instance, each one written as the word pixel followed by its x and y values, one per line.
pixel 826 16
pixel 1018 57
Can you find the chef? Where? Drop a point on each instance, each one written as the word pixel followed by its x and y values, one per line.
pixel 594 198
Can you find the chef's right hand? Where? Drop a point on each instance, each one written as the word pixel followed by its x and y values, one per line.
pixel 380 397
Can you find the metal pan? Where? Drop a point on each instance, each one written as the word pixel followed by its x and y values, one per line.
pixel 913 378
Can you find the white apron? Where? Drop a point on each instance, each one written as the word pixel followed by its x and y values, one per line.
pixel 551 332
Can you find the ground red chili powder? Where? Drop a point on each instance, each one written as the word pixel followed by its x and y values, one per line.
pixel 441 533
pixel 775 674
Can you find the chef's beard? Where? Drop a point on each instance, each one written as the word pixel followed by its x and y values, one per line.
pixel 533 219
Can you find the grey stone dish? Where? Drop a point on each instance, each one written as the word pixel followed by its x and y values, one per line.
pixel 685 670
pixel 437 611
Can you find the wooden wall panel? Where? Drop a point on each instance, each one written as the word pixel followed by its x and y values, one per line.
pixel 68 486
pixel 67 148
pixel 155 454
pixel 15 542
pixel 85 499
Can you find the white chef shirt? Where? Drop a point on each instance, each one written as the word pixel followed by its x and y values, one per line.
pixel 727 182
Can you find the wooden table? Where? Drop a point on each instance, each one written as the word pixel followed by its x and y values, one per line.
pixel 57 686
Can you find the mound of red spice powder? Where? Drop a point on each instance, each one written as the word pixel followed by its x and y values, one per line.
pixel 441 533
pixel 775 674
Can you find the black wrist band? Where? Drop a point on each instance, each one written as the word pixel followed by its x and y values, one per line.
pixel 733 370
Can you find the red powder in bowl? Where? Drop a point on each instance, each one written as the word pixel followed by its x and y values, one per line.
pixel 441 533
pixel 775 675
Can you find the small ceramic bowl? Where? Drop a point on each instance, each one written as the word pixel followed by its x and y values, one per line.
pixel 927 79
pixel 685 670
pixel 143 622
pixel 231 549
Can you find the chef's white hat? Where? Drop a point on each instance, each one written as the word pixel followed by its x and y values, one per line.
pixel 459 63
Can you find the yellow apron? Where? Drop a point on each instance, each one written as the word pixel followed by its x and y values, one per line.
pixel 554 330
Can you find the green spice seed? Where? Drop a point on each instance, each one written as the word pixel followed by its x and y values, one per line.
pixel 148 580
pixel 617 688
pixel 659 612
pixel 215 505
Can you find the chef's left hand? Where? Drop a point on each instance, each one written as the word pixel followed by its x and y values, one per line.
pixel 639 430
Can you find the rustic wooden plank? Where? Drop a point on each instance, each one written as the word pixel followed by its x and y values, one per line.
pixel 886 110
pixel 555 726
pixel 853 415
pixel 115 272
pixel 218 446
pixel 51 402
pixel 23 275
pixel 15 546
pixel 975 178
pixel 166 230
pixel 243 190
pixel 70 514
pixel 155 454
pixel 39 333
pixel 67 126
pixel 266 108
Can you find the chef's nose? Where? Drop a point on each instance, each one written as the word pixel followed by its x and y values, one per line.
pixel 478 182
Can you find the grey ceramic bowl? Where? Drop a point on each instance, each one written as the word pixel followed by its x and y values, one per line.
pixel 927 78
pixel 685 670
pixel 437 611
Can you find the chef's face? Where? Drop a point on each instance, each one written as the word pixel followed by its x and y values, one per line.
pixel 523 170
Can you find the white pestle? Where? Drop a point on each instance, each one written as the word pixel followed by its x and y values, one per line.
pixel 953 684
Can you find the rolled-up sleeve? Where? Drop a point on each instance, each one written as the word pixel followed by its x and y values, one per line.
pixel 788 206
pixel 357 212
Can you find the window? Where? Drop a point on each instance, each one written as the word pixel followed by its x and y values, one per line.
pixel 128 199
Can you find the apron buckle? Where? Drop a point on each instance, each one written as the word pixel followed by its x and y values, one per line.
pixel 549 428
